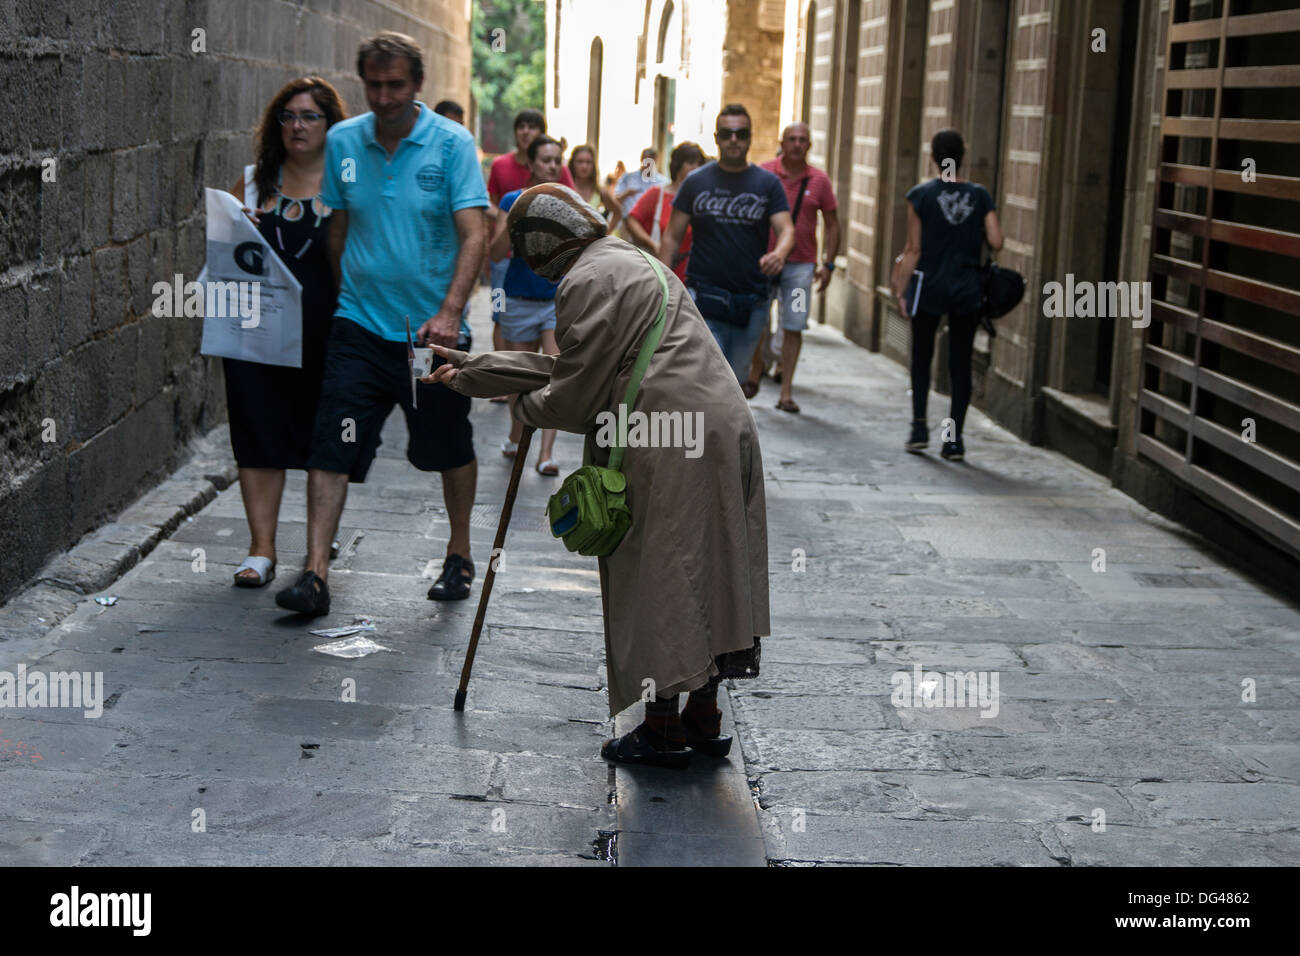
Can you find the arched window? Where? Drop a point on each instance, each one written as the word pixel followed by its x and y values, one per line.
pixel 665 21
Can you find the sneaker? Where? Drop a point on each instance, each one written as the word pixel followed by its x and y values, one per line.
pixel 953 450
pixel 308 595
pixel 919 439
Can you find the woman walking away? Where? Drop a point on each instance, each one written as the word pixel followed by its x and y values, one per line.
pixel 685 593
pixel 586 183
pixel 529 317
pixel 948 221
pixel 649 218
pixel 272 408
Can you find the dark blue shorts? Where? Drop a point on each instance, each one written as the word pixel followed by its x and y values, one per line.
pixel 365 376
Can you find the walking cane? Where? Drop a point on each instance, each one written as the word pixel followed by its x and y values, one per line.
pixel 520 456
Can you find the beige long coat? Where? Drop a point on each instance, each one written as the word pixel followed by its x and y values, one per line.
pixel 689 582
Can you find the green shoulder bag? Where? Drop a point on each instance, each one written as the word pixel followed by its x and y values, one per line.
pixel 589 513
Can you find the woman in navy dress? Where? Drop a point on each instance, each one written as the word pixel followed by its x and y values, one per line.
pixel 272 408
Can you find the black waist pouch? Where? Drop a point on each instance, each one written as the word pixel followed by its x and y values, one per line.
pixel 733 308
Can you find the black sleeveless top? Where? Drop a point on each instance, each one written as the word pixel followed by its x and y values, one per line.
pixel 298 231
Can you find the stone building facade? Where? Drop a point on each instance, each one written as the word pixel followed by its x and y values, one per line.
pixel 1144 141
pixel 114 118
pixel 640 73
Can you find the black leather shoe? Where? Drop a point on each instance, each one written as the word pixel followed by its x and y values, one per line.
pixel 308 595
pixel 452 584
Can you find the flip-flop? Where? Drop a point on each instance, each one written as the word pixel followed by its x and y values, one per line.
pixel 548 468
pixel 788 406
pixel 262 566
pixel 749 388
pixel 509 448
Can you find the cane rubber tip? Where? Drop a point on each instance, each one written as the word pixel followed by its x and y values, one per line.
pixel 460 700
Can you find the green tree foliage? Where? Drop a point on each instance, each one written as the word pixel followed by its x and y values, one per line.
pixel 509 66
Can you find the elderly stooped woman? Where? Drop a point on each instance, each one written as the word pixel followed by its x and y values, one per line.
pixel 684 594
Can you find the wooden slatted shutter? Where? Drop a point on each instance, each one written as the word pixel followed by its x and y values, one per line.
pixel 1222 353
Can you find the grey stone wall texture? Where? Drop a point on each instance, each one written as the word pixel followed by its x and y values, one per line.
pixel 97 396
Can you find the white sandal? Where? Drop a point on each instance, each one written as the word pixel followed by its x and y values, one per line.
pixel 509 448
pixel 264 568
pixel 549 463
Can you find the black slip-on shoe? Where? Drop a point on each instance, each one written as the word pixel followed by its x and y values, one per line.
pixel 308 595
pixel 919 438
pixel 953 451
pixel 452 584
pixel 640 747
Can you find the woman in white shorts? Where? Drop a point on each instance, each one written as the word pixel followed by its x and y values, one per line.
pixel 528 322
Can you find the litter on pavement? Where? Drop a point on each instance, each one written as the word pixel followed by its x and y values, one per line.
pixel 356 646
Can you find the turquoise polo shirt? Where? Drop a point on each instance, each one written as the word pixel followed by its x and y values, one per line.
pixel 402 241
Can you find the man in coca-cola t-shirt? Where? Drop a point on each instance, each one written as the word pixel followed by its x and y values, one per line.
pixel 730 205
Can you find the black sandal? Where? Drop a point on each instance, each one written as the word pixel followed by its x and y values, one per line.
pixel 452 584
pixel 638 747
pixel 697 739
pixel 308 595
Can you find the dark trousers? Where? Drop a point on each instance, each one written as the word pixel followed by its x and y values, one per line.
pixel 961 341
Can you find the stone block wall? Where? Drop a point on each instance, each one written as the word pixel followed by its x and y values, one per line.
pixel 751 74
pixel 113 117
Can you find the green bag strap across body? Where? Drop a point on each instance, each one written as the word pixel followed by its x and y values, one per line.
pixel 590 512
pixel 651 342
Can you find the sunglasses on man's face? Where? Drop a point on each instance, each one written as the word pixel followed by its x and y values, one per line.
pixel 740 134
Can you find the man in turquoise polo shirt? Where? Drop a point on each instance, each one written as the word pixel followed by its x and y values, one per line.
pixel 406 239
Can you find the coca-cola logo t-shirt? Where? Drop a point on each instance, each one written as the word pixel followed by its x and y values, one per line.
pixel 730 220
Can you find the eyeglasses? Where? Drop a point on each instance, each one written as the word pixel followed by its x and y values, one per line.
pixel 288 118
pixel 741 134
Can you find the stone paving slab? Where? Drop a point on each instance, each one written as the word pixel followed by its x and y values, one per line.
pixel 1176 846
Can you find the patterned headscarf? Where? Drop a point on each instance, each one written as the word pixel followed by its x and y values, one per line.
pixel 550 225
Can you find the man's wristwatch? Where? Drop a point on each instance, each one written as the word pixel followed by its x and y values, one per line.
pixel 829 266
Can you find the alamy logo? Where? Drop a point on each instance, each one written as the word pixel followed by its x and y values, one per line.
pixel 1088 300
pixel 103 909
pixel 927 689
pixel 180 299
pixel 651 430
pixel 75 689
pixel 956 206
